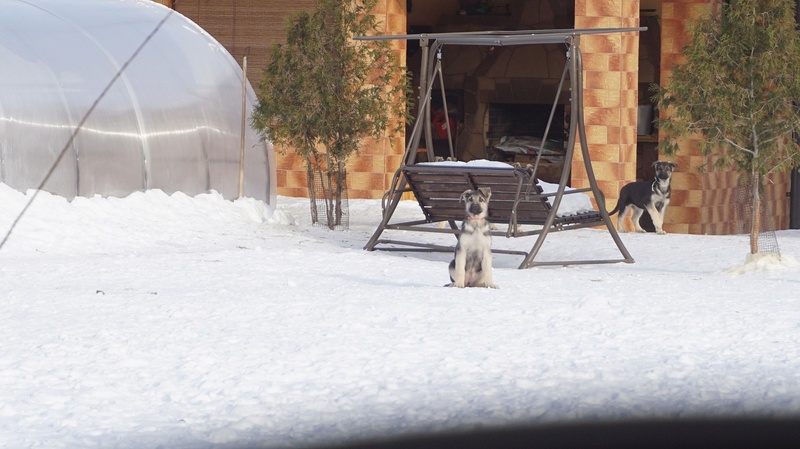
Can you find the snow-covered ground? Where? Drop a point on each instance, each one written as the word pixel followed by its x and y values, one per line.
pixel 177 322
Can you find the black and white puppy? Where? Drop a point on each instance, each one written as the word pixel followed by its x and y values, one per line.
pixel 646 195
pixel 472 265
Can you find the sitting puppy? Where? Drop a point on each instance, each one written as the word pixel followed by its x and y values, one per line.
pixel 645 195
pixel 472 266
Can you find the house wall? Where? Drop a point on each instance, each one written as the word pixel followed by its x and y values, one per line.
pixel 610 63
pixel 688 212
pixel 704 202
pixel 252 27
pixel 427 12
pixel 370 171
pixel 244 27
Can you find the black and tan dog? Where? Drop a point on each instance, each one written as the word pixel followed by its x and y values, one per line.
pixel 646 195
pixel 472 265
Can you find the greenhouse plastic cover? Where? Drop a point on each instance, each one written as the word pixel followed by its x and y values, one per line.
pixel 172 120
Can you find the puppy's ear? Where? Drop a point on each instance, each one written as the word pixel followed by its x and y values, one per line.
pixel 485 191
pixel 465 195
pixel 673 165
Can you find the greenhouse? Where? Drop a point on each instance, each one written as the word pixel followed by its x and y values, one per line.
pixel 110 97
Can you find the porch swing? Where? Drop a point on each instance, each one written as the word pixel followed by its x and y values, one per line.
pixel 518 198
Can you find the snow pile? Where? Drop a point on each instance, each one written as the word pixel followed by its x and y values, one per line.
pixel 571 204
pixel 766 262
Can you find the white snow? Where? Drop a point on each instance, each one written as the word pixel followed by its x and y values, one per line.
pixel 485 163
pixel 571 203
pixel 169 321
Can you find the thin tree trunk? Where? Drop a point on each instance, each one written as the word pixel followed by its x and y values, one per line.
pixel 312 194
pixel 330 199
pixel 755 213
pixel 340 185
pixel 328 193
pixel 755 184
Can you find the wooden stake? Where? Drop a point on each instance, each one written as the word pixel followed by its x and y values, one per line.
pixel 244 123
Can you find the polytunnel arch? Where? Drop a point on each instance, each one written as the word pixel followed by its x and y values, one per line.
pixel 172 121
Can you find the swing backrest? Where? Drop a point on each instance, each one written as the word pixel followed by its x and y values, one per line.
pixel 514 198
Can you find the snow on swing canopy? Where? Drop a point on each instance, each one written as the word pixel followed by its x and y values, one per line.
pixel 171 121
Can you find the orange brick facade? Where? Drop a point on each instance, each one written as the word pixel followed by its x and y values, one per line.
pixel 692 189
pixel 704 202
pixel 371 170
pixel 611 65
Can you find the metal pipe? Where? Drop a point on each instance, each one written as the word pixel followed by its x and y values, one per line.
pixel 534 36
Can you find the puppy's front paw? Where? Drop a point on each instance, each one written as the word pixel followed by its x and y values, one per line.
pixel 641 231
pixel 492 286
pixel 661 232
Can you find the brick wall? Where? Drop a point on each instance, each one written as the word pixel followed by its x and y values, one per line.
pixel 371 171
pixel 703 202
pixel 244 27
pixel 610 64
pixel 691 189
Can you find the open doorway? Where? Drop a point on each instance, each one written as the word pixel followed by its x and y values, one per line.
pixel 485 84
pixel 649 74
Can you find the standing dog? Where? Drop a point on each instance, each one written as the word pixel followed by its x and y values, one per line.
pixel 644 195
pixel 472 265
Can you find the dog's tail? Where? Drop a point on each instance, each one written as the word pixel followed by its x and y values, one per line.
pixel 616 208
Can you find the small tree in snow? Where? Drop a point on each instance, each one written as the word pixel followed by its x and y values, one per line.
pixel 322 93
pixel 738 87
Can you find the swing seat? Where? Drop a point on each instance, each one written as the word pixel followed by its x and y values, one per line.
pixel 517 199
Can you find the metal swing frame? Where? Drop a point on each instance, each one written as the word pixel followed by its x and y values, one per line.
pixel 521 202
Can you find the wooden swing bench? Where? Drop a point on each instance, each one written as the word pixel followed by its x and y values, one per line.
pixel 517 199
pixel 517 202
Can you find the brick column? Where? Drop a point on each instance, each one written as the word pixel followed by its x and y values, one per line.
pixel 610 69
pixel 690 188
pixel 370 171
